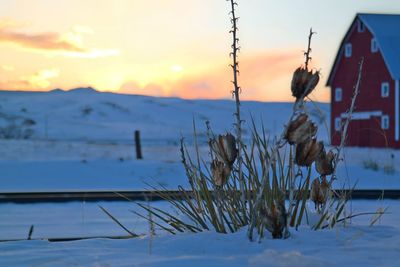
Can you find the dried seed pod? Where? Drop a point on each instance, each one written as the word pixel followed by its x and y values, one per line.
pixel 319 192
pixel 325 188
pixel 324 162
pixel 300 130
pixel 220 172
pixel 275 218
pixel 225 148
pixel 307 152
pixel 303 82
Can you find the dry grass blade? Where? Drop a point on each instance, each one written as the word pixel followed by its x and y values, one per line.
pixel 171 220
pixel 304 197
pixel 171 231
pixel 118 222
pixel 30 232
pixel 378 215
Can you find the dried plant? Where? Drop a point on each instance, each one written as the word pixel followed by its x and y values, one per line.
pixel 307 152
pixel 247 185
pixel 319 192
pixel 236 93
pixel 224 147
pixel 324 162
pixel 300 130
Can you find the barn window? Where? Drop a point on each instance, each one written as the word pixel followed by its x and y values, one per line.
pixel 385 89
pixel 385 122
pixel 347 50
pixel 374 45
pixel 338 124
pixel 360 26
pixel 338 94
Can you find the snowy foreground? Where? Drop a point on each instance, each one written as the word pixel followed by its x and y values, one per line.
pixel 82 141
pixel 40 166
pixel 356 244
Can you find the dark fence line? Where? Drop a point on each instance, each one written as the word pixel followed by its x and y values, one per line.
pixel 93 196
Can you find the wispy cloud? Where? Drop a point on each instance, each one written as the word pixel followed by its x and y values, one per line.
pixel 263 76
pixel 132 87
pixel 68 44
pixel 7 67
pixel 39 80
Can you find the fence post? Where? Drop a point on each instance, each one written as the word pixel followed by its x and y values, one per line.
pixel 138 145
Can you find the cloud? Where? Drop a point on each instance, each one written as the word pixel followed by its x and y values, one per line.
pixel 69 44
pixel 10 23
pixel 7 68
pixel 132 87
pixel 41 41
pixel 263 76
pixel 39 80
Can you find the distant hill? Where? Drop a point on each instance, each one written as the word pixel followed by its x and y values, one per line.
pixel 86 114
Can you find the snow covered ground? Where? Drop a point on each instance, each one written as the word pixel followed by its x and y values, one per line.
pixel 356 244
pixel 82 140
pixel 85 114
pixel 38 166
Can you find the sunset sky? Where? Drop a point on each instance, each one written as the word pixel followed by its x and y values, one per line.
pixel 170 47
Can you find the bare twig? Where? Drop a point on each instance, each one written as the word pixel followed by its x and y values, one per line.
pixel 356 91
pixel 118 222
pixel 343 138
pixel 236 93
pixel 30 232
pixel 378 213
pixel 307 53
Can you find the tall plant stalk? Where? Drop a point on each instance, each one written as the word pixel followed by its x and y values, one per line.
pixel 236 93
pixel 297 107
pixel 343 138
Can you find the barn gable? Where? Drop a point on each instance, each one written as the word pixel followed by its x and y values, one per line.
pixel 376 122
pixel 386 30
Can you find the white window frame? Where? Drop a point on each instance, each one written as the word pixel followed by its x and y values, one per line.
pixel 348 50
pixel 360 26
pixel 338 124
pixel 338 94
pixel 385 89
pixel 385 122
pixel 374 45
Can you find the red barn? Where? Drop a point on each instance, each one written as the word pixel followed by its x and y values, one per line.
pixel 375 122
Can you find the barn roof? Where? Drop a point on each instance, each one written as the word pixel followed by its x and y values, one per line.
pixel 386 30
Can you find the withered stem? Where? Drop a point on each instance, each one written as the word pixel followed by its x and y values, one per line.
pixel 236 92
pixel 356 91
pixel 277 144
pixel 308 52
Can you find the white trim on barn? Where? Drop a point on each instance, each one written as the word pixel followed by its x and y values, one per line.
pixel 338 124
pixel 363 115
pixel 385 122
pixel 396 110
pixel 348 50
pixel 338 94
pixel 385 89
pixel 374 45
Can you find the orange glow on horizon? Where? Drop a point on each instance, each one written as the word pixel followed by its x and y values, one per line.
pixel 141 47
